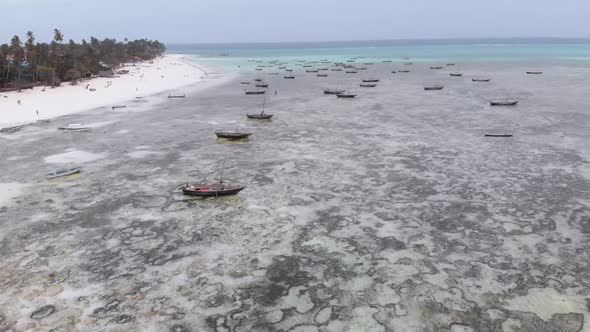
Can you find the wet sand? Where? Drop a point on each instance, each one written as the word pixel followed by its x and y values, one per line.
pixel 390 211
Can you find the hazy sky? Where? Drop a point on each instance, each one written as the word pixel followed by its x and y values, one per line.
pixel 294 20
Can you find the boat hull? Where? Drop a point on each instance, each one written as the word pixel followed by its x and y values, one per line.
pixel 213 192
pixel 64 172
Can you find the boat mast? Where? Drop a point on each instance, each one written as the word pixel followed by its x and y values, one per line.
pixel 221 172
pixel 263 104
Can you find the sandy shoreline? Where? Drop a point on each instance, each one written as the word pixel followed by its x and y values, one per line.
pixel 165 74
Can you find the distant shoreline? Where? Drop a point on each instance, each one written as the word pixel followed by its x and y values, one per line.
pixel 169 72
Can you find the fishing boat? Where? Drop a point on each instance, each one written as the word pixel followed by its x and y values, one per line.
pixel 255 92
pixel 456 74
pixel 259 69
pixel 436 67
pixel 333 92
pixel 497 135
pixel 311 71
pixel 351 72
pixel 261 115
pixel 336 69
pixel 63 172
pixel 258 79
pixel 289 70
pixel 361 68
pixel 216 189
pixel 262 85
pixel 433 87
pixel 212 190
pixel 534 72
pixel 368 85
pixel 291 77
pixel 503 102
pixel 177 95
pixel 480 79
pixel 345 95
pixel 232 134
pixel 322 75
pixel 74 127
pixel 244 82
pixel 403 71
pixel 371 80
pixel 118 106
pixel 450 64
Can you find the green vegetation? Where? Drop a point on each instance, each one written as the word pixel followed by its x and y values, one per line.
pixel 31 62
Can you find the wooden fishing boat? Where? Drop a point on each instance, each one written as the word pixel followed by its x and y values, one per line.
pixel 351 72
pixel 244 82
pixel 368 85
pixel 255 92
pixel 480 79
pixel 176 95
pixel 258 79
pixel 345 95
pixel 262 85
pixel 232 134
pixel 436 67
pixel 433 87
pixel 503 102
pixel 450 64
pixel 403 71
pixel 498 135
pixel 336 69
pixel 456 74
pixel 289 70
pixel 259 116
pixel 259 69
pixel 322 75
pixel 311 71
pixel 63 172
pixel 371 80
pixel 333 91
pixel 534 72
pixel 212 190
pixel 74 127
pixel 118 106
pixel 292 77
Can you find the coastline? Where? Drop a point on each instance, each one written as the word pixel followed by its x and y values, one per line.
pixel 167 73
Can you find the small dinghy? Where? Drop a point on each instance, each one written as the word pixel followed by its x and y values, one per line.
pixel 212 190
pixel 118 106
pixel 322 75
pixel 262 85
pixel 259 69
pixel 311 71
pixel 480 79
pixel 232 134
pixel 74 127
pixel 368 85
pixel 244 82
pixel 436 67
pixel 176 95
pixel 351 72
pixel 258 79
pixel 336 69
pixel 450 64
pixel 289 70
pixel 497 135
pixel 63 172
pixel 292 77
pixel 255 92
pixel 403 71
pixel 456 74
pixel 371 80
pixel 503 102
pixel 333 91
pixel 433 87
pixel 345 95
pixel 534 72
pixel 361 68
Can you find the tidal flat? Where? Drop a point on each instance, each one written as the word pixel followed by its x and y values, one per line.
pixel 387 212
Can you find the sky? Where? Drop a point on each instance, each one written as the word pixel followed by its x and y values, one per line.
pixel 223 21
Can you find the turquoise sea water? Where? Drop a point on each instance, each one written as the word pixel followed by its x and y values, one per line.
pixel 576 51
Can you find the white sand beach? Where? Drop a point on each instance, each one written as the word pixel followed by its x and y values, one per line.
pixel 167 73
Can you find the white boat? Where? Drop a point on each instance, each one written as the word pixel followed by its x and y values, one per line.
pixel 63 172
pixel 74 127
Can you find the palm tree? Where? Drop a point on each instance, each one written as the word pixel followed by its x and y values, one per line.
pixel 55 50
pixel 31 53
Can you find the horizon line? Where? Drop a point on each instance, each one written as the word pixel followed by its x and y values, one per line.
pixel 386 40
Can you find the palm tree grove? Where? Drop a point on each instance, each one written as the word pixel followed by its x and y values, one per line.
pixel 28 63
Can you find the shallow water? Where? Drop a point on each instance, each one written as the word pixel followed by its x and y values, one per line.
pixel 389 211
